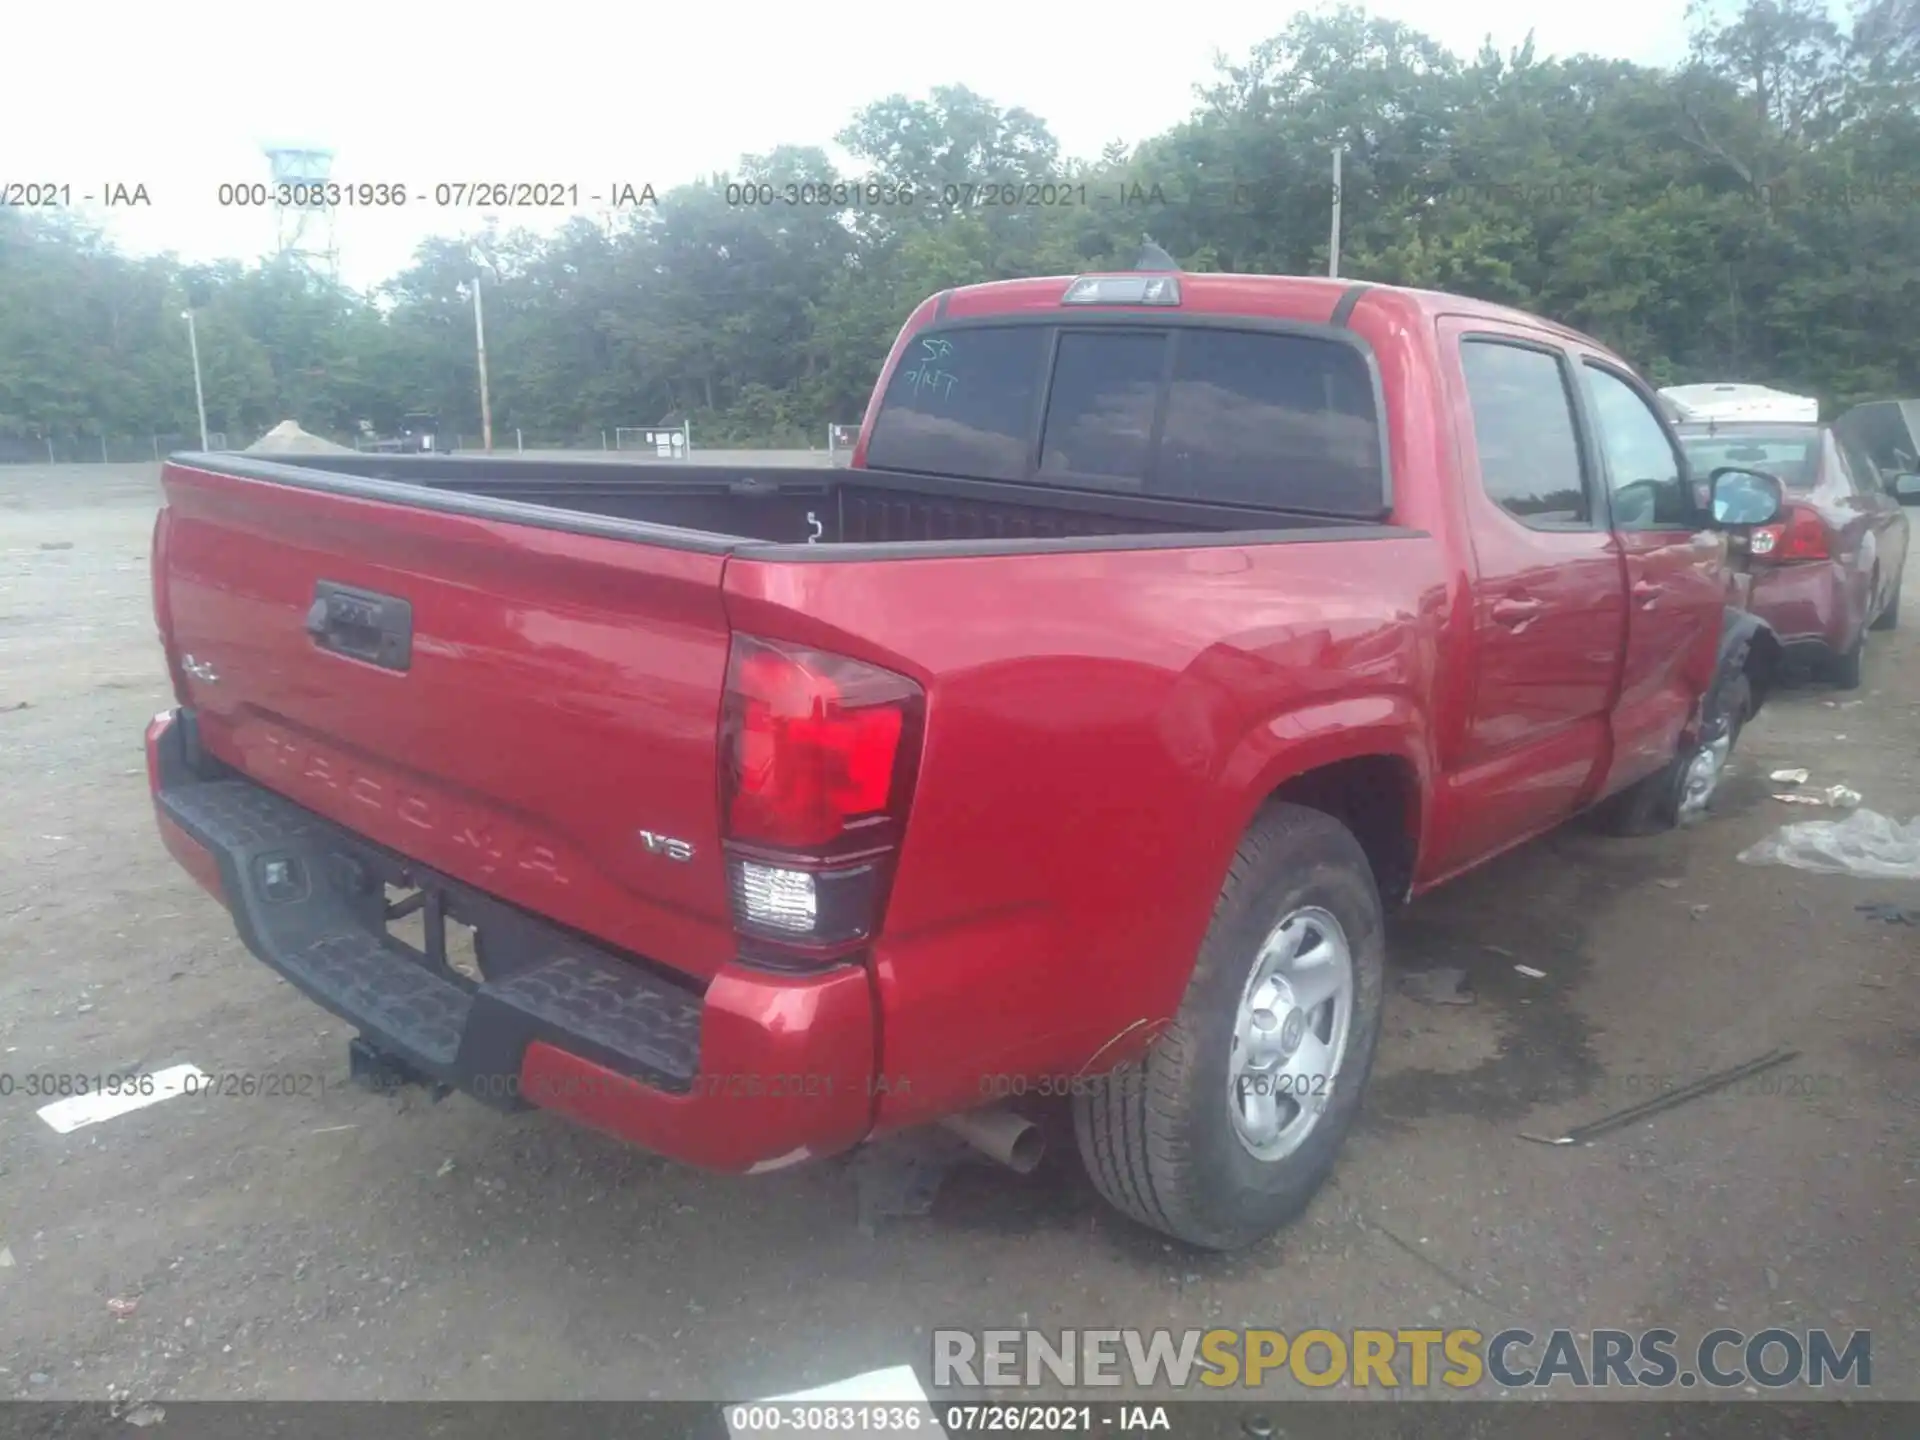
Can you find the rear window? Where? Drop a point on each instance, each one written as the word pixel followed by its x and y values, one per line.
pixel 1272 420
pixel 1100 415
pixel 1212 415
pixel 962 403
pixel 1793 458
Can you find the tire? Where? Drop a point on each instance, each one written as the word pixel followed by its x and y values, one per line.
pixel 1889 618
pixel 1643 808
pixel 1158 1137
pixel 1843 671
pixel 1656 804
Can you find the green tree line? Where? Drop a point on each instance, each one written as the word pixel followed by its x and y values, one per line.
pixel 1753 213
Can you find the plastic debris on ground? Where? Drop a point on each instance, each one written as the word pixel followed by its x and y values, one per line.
pixel 1834 797
pixel 121 1308
pixel 1530 972
pixel 1866 843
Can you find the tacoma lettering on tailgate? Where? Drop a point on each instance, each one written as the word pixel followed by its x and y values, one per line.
pixel 304 770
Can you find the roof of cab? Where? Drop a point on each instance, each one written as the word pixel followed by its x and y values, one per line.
pixel 1309 298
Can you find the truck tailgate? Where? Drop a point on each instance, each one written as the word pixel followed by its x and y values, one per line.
pixel 515 705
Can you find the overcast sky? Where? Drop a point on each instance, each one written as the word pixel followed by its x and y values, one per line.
pixel 182 96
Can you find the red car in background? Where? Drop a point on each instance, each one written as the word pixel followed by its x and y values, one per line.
pixel 1829 570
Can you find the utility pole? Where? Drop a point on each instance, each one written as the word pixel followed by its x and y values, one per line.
pixel 480 344
pixel 1333 246
pixel 199 393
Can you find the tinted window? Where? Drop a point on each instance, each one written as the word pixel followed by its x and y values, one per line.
pixel 1643 471
pixel 1882 432
pixel 1280 420
pixel 1853 466
pixel 961 403
pixel 1788 457
pixel 1100 414
pixel 1523 430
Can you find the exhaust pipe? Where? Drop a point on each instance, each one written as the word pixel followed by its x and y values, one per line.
pixel 1001 1135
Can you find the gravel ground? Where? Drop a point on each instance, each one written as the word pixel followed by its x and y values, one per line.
pixel 343 1245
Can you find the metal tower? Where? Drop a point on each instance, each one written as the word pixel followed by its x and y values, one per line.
pixel 303 230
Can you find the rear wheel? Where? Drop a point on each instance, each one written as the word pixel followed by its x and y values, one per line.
pixel 1843 671
pixel 1225 1130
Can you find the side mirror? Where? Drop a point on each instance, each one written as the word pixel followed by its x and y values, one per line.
pixel 1746 497
pixel 1906 489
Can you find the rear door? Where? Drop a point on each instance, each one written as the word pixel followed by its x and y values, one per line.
pixel 513 705
pixel 1875 524
pixel 1676 571
pixel 1548 600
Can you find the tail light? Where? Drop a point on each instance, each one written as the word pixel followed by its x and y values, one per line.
pixel 819 757
pixel 1803 535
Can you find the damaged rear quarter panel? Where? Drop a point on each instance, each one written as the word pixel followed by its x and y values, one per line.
pixel 1101 725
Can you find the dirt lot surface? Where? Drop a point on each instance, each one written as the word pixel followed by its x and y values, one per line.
pixel 341 1244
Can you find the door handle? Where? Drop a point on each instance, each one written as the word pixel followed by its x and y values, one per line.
pixel 1514 611
pixel 1646 592
pixel 362 625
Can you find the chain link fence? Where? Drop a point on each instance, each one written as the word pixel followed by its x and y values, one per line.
pixel 85 449
pixel 511 440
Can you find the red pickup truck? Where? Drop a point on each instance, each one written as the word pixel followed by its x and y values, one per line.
pixel 1164 630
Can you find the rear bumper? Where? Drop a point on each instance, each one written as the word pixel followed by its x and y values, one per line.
pixel 758 1070
pixel 1806 605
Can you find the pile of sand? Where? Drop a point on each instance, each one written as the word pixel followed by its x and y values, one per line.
pixel 288 438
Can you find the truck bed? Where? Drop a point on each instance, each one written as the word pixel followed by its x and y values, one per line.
pixel 777 504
